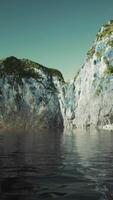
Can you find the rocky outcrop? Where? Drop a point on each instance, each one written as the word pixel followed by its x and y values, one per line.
pixel 32 95
pixel 28 95
pixel 89 97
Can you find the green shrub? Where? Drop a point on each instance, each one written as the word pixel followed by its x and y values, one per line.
pixel 99 54
pixel 98 91
pixel 91 52
pixel 108 29
pixel 54 72
pixel 110 43
pixel 25 69
pixel 109 69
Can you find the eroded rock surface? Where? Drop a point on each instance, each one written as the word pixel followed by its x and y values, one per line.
pixel 28 95
pixel 89 97
pixel 32 95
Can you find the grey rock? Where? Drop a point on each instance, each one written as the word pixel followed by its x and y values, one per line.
pixel 35 96
pixel 28 95
pixel 89 97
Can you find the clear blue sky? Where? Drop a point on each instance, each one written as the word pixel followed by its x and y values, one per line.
pixel 55 33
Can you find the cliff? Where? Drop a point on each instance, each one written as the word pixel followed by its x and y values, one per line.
pixel 28 95
pixel 35 96
pixel 89 96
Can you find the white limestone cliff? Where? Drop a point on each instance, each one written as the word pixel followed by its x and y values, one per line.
pixel 32 95
pixel 89 97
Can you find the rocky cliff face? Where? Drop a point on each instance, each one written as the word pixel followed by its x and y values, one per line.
pixel 28 95
pixel 35 96
pixel 88 99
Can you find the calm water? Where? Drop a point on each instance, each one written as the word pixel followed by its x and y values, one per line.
pixel 63 166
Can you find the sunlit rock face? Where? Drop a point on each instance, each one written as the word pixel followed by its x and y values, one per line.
pixel 32 95
pixel 28 95
pixel 88 99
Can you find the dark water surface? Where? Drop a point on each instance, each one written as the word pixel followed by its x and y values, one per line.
pixel 74 165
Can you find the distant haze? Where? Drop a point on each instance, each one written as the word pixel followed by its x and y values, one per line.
pixel 55 33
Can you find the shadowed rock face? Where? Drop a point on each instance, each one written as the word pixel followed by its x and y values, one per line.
pixel 28 95
pixel 32 95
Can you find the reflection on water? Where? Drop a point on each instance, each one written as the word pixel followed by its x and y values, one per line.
pixel 52 165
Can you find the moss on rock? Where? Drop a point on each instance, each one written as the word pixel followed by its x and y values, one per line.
pixel 107 30
pixel 109 69
pixel 25 68
pixel 91 52
pixel 110 43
